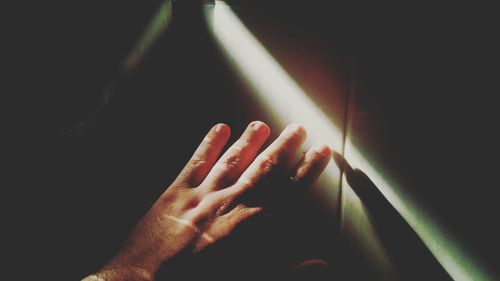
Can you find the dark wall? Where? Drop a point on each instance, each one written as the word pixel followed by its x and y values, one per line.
pixel 425 109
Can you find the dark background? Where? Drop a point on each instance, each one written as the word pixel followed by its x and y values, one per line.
pixel 425 108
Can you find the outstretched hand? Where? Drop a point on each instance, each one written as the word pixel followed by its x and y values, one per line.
pixel 204 204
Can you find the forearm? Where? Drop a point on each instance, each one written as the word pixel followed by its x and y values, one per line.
pixel 122 274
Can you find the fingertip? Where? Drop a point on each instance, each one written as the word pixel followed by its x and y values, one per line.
pixel 322 149
pixel 260 127
pixel 238 157
pixel 222 129
pixel 297 129
pixel 312 164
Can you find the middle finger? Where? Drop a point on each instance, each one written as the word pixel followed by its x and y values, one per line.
pixel 237 158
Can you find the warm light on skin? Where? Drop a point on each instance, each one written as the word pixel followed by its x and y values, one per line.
pixel 270 82
pixel 273 86
pixel 287 102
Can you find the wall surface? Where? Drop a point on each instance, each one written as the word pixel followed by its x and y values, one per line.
pixel 407 90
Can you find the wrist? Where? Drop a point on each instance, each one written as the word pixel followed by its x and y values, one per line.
pixel 122 274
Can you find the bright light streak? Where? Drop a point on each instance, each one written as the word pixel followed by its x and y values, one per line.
pixel 270 82
pixel 281 95
pixel 276 91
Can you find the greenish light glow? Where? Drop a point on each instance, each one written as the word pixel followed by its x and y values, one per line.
pixel 153 31
pixel 287 102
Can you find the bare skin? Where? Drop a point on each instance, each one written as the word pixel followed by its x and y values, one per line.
pixel 203 204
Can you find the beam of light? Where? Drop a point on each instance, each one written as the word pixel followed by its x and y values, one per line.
pixel 287 102
pixel 155 28
pixel 158 24
pixel 277 92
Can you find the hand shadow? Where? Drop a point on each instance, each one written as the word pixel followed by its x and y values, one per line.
pixel 412 258
pixel 270 246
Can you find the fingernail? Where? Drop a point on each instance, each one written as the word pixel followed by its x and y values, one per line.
pixel 257 125
pixel 218 128
pixel 322 149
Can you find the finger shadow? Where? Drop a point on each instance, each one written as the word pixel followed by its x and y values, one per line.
pixel 404 247
pixel 264 247
pixel 247 254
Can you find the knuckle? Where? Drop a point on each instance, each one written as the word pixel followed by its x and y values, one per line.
pixel 267 163
pixel 231 161
pixel 222 206
pixel 197 162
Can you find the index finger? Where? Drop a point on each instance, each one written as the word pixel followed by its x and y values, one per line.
pixel 205 156
pixel 277 156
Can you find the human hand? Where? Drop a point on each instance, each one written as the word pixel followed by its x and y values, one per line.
pixel 204 204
